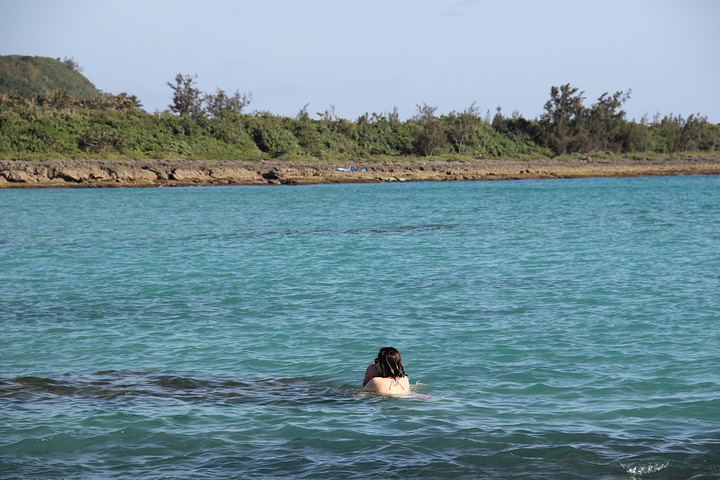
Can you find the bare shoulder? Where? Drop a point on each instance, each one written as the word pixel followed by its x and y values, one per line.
pixel 389 386
pixel 370 373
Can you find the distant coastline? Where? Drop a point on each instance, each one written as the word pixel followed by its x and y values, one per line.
pixel 49 110
pixel 160 173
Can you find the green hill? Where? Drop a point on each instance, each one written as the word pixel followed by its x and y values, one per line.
pixel 31 76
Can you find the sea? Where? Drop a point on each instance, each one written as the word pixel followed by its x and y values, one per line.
pixel 550 329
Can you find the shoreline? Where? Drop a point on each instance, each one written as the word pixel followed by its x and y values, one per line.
pixel 164 173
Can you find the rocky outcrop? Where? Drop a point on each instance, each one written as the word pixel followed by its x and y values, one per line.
pixel 120 173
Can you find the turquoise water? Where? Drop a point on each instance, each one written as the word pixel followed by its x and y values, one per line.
pixel 551 329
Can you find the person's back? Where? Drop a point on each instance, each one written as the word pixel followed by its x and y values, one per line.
pixel 387 374
pixel 389 386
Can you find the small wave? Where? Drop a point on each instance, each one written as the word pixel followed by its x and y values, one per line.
pixel 640 470
pixel 354 231
pixel 92 243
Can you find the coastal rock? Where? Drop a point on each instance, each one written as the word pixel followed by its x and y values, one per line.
pixel 17 175
pixel 132 174
pixel 190 174
pixel 24 172
pixel 161 173
pixel 82 173
pixel 232 173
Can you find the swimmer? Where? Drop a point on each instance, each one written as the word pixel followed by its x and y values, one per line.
pixel 387 374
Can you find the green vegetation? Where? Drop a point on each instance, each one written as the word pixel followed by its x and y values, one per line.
pixel 43 114
pixel 29 76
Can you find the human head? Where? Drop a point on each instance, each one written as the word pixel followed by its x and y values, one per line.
pixel 390 363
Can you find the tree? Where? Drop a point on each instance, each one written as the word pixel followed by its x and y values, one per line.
pixel 668 133
pixel 303 114
pixel 72 64
pixel 394 116
pixel 462 128
pixel 187 100
pixel 607 121
pixel 699 134
pixel 430 139
pixel 329 115
pixel 220 102
pixel 564 118
pixel 123 101
pixel 565 104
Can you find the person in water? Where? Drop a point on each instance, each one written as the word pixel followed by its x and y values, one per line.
pixel 387 374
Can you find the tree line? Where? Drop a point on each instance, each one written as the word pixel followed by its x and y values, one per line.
pixel 200 125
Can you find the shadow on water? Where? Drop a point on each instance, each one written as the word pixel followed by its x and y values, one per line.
pixel 114 384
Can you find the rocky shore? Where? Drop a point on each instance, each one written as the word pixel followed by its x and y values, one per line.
pixel 156 173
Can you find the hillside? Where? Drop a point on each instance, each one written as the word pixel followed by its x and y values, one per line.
pixel 31 76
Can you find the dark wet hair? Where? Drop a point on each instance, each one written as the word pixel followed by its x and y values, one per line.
pixel 390 363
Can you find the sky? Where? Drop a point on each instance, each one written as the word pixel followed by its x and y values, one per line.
pixel 375 55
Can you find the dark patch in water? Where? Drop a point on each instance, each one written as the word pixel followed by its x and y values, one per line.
pixel 117 383
pixel 298 233
pixel 272 233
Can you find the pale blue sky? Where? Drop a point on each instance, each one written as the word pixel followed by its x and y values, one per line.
pixel 369 56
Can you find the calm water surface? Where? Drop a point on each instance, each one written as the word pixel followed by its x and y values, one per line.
pixel 551 329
